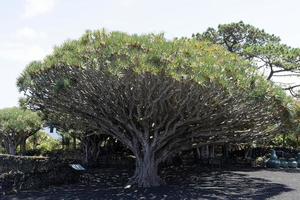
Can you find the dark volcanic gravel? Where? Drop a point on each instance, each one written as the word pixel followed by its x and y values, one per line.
pixel 182 183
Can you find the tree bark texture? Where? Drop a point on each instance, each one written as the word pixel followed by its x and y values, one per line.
pixel 155 116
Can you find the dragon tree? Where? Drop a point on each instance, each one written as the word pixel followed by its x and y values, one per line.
pixel 156 96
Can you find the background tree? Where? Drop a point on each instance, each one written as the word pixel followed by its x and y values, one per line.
pixel 16 125
pixel 156 97
pixel 41 143
pixel 236 37
pixel 290 130
pixel 264 50
pixel 89 137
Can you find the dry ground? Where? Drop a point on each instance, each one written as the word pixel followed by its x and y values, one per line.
pixel 192 182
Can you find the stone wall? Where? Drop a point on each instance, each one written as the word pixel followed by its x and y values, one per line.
pixel 29 172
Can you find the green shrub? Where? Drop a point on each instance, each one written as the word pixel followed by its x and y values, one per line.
pixel 42 143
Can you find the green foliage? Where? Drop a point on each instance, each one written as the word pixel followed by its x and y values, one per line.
pixel 181 58
pixel 42 143
pixel 2 150
pixel 16 125
pixel 286 140
pixel 236 37
pixel 263 50
pixel 279 56
pixel 16 120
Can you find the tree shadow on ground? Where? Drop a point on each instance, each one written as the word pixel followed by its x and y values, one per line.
pixel 187 183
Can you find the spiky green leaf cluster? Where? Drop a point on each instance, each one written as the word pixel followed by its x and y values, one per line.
pixel 181 58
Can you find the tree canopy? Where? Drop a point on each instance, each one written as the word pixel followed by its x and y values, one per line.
pixel 155 96
pixel 264 50
pixel 236 37
pixel 16 125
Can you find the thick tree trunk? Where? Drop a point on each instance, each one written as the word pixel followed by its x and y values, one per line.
pixel 12 149
pixel 92 150
pixel 88 154
pixel 225 151
pixel 146 171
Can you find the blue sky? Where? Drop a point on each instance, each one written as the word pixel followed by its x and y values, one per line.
pixel 31 28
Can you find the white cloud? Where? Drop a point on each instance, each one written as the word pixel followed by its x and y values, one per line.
pixel 126 3
pixel 21 52
pixel 29 34
pixel 34 8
